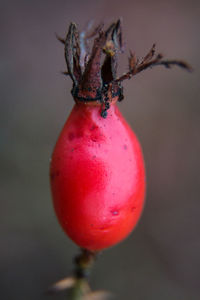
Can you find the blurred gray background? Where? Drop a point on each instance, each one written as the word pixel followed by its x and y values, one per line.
pixel 161 259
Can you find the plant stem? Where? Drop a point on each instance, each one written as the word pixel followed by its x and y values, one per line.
pixel 83 262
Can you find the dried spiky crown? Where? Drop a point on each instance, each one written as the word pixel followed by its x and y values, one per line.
pixel 96 81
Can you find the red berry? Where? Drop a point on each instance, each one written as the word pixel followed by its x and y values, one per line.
pixel 97 169
pixel 97 177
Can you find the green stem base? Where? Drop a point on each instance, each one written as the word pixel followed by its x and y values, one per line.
pixel 84 263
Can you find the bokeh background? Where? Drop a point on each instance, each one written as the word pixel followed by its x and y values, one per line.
pixel 161 259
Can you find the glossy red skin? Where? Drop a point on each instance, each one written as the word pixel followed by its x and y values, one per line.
pixel 97 177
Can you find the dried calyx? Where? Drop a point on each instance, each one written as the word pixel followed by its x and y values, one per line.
pixel 97 81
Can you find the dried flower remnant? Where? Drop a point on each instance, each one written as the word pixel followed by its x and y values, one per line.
pixel 97 81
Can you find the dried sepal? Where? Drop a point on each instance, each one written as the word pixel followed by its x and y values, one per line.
pixel 170 63
pixel 98 295
pixel 65 73
pixel 90 76
pixel 72 53
pixel 60 39
pixel 69 44
pixel 77 53
pixel 110 29
pixel 84 39
pixel 95 31
pixel 62 285
pixel 149 55
pixel 166 63
pixel 109 67
pixel 149 61
pixel 132 62
pixel 117 35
